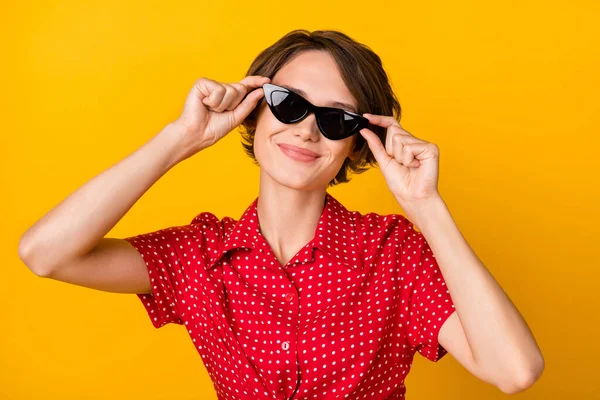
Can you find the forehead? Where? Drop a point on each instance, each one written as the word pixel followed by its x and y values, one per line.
pixel 315 76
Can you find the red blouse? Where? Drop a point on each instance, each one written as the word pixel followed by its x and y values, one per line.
pixel 342 319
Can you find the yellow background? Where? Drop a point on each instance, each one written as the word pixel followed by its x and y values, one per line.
pixel 508 90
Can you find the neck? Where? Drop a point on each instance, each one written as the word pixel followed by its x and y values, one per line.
pixel 288 217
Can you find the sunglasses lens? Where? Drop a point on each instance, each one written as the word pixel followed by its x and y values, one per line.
pixel 337 125
pixel 287 106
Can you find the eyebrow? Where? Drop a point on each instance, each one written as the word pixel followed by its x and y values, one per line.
pixel 339 104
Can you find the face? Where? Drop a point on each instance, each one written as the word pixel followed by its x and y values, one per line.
pixel 316 75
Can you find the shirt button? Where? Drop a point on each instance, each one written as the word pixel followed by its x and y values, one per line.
pixel 289 297
pixel 285 345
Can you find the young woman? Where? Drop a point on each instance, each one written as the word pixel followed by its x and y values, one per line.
pixel 299 298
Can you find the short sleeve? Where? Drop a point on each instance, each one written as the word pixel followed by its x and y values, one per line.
pixel 167 276
pixel 430 303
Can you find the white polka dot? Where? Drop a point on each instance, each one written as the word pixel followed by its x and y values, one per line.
pixel 343 317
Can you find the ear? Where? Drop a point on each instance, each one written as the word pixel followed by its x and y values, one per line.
pixel 353 154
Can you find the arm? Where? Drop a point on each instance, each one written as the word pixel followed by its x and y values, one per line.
pixel 486 334
pixel 68 242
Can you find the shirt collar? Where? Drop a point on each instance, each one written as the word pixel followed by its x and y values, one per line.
pixel 336 234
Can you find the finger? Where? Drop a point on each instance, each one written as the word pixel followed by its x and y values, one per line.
pixel 397 148
pixel 384 121
pixel 396 133
pixel 389 123
pixel 251 83
pixel 377 148
pixel 408 156
pixel 420 152
pixel 205 86
pixel 241 92
pixel 216 95
pixel 389 141
pixel 247 105
pixel 254 81
pixel 228 97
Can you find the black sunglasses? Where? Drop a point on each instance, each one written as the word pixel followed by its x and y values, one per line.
pixel 289 108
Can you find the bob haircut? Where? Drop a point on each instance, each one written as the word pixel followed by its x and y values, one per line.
pixel 362 72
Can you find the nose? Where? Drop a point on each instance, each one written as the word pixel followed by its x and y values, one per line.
pixel 308 129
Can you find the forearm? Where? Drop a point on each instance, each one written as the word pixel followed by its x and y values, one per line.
pixel 79 222
pixel 499 338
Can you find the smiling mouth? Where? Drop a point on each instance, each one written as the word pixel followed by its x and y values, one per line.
pixel 296 155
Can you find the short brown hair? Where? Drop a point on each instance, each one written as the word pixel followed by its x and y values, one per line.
pixel 362 72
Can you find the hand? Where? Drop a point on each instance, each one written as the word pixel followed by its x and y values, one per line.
pixel 213 109
pixel 410 165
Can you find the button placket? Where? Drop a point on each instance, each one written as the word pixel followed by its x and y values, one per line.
pixel 290 299
pixel 291 346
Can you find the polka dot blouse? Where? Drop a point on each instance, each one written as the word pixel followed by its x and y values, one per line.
pixel 342 319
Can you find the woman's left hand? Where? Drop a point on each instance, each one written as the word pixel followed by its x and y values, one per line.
pixel 410 165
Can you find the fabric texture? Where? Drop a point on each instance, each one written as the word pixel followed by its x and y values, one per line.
pixel 342 319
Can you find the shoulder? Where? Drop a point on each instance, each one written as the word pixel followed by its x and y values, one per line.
pixel 205 229
pixel 384 226
pixel 385 234
pixel 209 222
pixel 209 226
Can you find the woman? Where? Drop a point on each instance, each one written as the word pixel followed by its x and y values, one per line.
pixel 299 298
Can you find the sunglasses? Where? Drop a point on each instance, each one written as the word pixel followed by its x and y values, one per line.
pixel 289 108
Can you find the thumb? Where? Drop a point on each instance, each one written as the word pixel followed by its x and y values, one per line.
pixel 377 148
pixel 247 105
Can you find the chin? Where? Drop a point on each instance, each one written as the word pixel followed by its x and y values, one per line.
pixel 292 180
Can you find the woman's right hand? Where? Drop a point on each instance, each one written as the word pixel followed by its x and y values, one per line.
pixel 213 109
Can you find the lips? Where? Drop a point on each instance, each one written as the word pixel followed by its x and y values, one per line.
pixel 299 150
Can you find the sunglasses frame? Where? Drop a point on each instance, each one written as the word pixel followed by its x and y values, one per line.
pixel 361 122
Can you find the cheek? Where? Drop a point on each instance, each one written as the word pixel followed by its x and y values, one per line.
pixel 259 144
pixel 266 125
pixel 263 146
pixel 343 149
